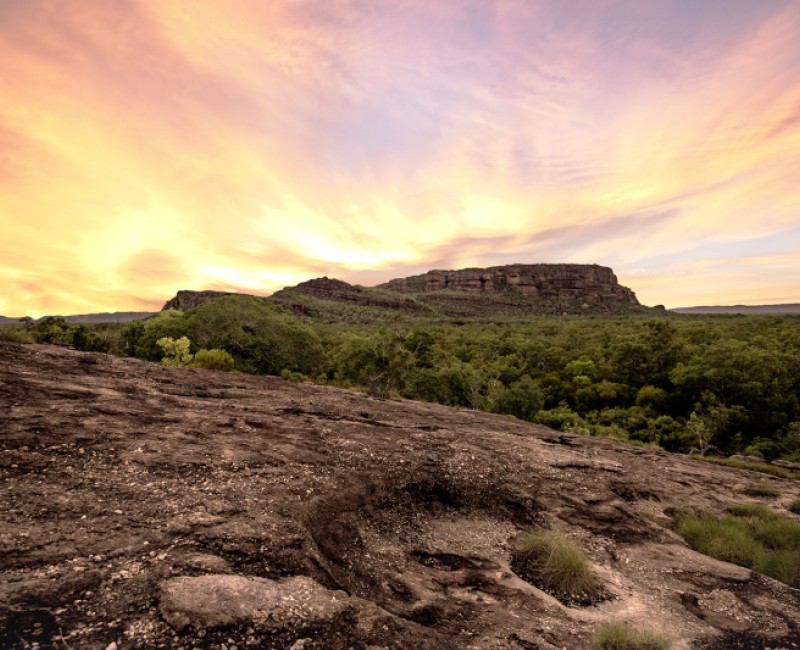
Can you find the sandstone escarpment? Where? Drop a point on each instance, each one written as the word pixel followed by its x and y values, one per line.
pixel 587 283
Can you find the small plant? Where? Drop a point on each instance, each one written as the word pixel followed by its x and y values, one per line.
pixel 213 360
pixel 557 565
pixel 620 636
pixel 761 490
pixel 794 507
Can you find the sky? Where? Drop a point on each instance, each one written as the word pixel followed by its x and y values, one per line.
pixel 148 146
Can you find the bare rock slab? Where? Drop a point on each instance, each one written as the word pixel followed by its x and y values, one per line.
pixel 221 599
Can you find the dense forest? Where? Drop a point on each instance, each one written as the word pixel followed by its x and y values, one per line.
pixel 711 384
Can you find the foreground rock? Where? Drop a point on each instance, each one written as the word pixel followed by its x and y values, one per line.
pixel 153 507
pixel 218 600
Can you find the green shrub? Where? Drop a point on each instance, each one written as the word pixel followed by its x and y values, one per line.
pixel 15 335
pixel 765 448
pixel 53 330
pixel 141 337
pixel 213 360
pixel 620 636
pixel 563 418
pixel 794 507
pixel 761 490
pixel 522 399
pixel 557 565
pixel 176 352
pixel 261 337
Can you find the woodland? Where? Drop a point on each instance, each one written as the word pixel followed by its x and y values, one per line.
pixel 716 385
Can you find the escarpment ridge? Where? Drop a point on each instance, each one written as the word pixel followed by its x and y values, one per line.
pixel 588 282
pixel 512 290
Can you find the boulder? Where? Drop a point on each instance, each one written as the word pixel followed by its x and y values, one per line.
pixel 217 600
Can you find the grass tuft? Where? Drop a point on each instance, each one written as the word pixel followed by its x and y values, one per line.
pixel 620 636
pixel 557 565
pixel 794 507
pixel 752 511
pixel 751 535
pixel 761 490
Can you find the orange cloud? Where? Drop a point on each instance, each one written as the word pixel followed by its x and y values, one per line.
pixel 151 146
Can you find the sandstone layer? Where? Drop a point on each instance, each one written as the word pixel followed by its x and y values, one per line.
pixel 560 282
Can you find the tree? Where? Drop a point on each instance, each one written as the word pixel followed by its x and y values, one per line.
pixel 701 434
pixel 261 337
pixel 522 399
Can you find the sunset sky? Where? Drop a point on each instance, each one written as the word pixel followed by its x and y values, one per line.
pixel 148 146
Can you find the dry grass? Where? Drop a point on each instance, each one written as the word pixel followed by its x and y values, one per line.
pixel 620 636
pixel 557 565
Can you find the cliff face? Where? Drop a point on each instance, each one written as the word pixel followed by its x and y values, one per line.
pixel 513 290
pixel 588 283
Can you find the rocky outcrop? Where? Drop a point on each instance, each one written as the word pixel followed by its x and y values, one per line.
pixel 153 507
pixel 186 299
pixel 585 283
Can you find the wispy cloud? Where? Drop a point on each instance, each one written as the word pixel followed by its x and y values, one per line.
pixel 148 146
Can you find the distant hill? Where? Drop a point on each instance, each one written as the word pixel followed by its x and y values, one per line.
pixel 789 308
pixel 6 321
pixel 86 319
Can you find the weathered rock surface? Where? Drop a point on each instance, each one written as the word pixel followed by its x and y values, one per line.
pixel 127 489
pixel 217 600
pixel 587 283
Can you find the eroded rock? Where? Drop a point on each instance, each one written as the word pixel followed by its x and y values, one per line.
pixel 217 600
